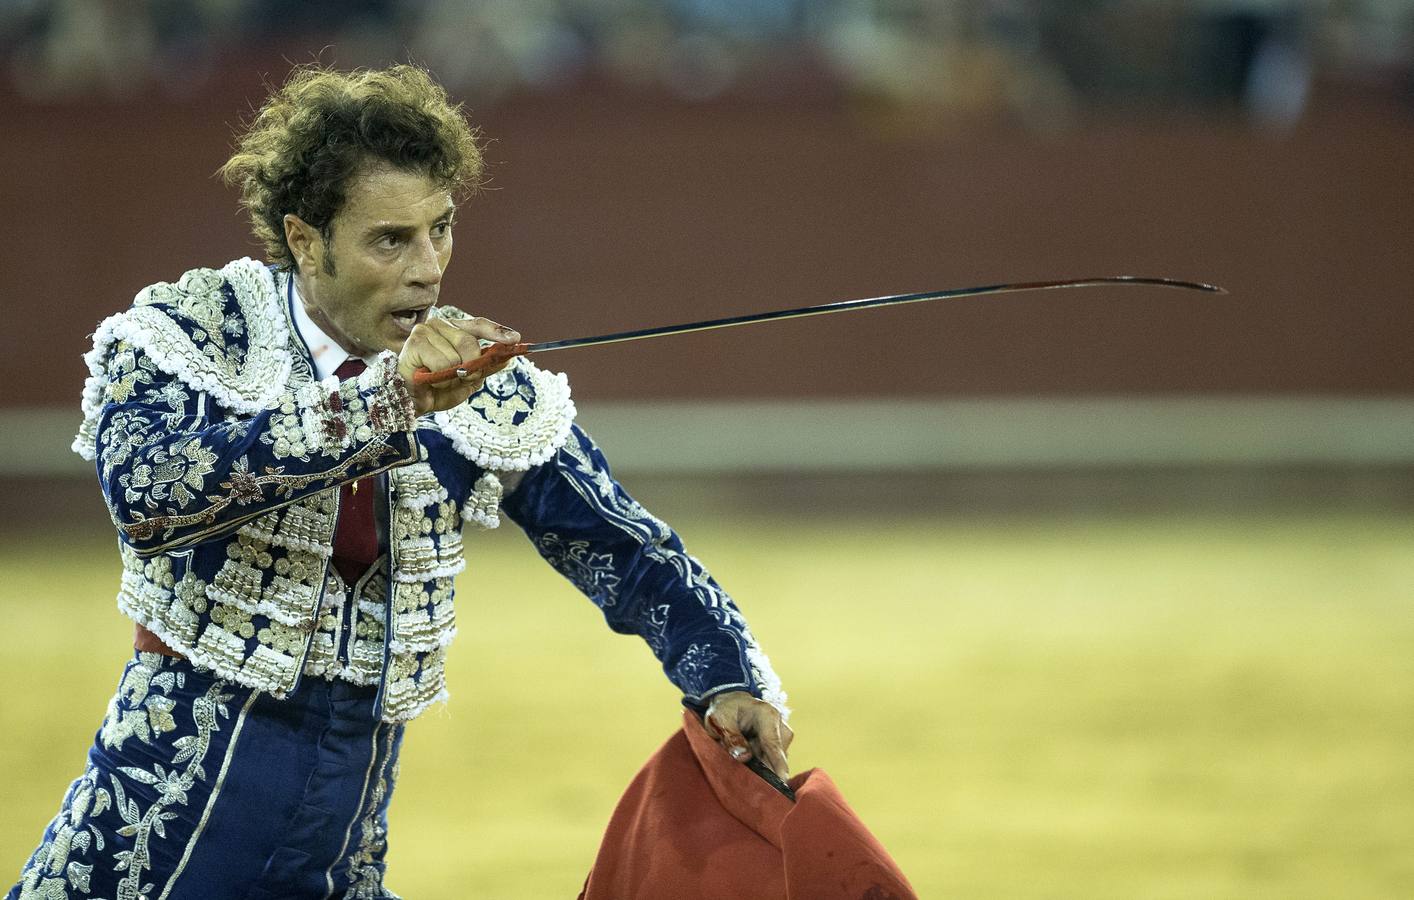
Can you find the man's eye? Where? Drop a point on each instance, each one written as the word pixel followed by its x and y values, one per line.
pixel 389 241
pixel 441 229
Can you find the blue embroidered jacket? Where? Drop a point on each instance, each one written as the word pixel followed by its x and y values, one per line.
pixel 220 459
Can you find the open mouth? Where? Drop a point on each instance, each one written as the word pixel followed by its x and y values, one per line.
pixel 406 319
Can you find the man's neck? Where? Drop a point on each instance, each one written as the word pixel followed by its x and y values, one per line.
pixel 304 295
pixel 326 351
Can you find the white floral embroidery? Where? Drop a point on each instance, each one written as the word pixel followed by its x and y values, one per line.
pixel 172 393
pixel 592 573
pixel 170 476
pixel 126 433
pixel 365 868
pixel 142 710
pixel 172 787
pixel 138 709
pixel 629 516
pixel 625 512
pixel 485 429
pixel 245 385
pixel 693 668
pixel 655 632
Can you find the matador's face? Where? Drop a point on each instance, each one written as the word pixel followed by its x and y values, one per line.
pixel 391 242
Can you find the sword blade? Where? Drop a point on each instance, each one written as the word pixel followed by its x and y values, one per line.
pixel 867 303
pixel 496 354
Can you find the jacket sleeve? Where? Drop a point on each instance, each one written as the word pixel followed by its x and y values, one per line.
pixel 177 470
pixel 634 568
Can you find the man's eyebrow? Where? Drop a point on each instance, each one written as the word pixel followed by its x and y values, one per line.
pixel 395 228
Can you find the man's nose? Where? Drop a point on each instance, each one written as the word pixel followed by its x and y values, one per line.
pixel 426 266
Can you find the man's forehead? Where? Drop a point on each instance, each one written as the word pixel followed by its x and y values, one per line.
pixel 394 196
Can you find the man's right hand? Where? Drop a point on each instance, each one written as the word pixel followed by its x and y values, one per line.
pixel 444 343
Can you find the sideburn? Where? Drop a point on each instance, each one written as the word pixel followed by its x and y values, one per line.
pixel 327 234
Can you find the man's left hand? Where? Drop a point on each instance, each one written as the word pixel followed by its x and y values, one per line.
pixel 750 727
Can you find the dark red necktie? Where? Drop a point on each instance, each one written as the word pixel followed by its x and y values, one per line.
pixel 356 535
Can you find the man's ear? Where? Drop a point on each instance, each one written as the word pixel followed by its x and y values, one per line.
pixel 305 242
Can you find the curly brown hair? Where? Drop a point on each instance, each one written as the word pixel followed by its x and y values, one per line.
pixel 324 127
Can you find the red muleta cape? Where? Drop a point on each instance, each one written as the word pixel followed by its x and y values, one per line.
pixel 696 824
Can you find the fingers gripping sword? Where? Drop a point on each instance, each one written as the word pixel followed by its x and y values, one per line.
pixel 495 354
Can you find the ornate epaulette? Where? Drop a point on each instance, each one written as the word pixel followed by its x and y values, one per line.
pixel 219 331
pixel 518 419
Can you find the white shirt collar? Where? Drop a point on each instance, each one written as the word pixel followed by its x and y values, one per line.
pixel 324 351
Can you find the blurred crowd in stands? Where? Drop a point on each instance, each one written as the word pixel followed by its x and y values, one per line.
pixel 1040 61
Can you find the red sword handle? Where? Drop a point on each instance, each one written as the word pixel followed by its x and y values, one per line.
pixel 490 356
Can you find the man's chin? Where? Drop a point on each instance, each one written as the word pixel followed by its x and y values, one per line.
pixel 391 339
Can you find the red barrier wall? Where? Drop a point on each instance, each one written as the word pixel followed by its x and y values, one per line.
pixel 609 211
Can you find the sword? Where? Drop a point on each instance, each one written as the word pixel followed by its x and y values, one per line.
pixel 496 354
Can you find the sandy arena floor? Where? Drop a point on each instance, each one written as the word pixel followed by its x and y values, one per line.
pixel 1020 708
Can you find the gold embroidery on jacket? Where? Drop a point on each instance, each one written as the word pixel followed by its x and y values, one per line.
pixel 244 487
pixel 173 476
pixel 257 621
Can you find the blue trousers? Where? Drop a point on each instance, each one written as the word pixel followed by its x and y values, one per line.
pixel 199 789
